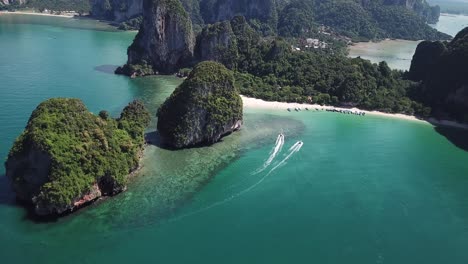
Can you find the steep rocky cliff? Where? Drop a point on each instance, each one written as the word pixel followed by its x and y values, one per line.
pixel 442 69
pixel 165 42
pixel 67 157
pixel 218 42
pixel 204 108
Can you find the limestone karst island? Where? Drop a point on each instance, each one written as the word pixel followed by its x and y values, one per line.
pixel 234 131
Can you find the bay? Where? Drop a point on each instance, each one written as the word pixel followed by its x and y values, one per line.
pixel 361 189
pixel 398 53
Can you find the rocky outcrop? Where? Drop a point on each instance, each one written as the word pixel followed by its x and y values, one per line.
pixel 442 69
pixel 165 42
pixel 218 42
pixel 67 157
pixel 204 108
pixel 426 56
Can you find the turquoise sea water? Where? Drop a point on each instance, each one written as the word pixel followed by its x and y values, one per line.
pixel 398 53
pixel 360 190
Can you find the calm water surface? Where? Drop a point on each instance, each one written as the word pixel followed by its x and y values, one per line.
pixel 360 190
pixel 398 53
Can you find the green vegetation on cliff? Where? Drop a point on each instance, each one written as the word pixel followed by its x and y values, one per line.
pixel 202 109
pixel 296 19
pixel 84 150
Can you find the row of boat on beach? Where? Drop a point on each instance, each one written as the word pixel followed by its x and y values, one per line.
pixel 341 111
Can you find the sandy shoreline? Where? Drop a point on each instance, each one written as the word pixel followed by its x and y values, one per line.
pixel 387 42
pixel 254 103
pixel 36 14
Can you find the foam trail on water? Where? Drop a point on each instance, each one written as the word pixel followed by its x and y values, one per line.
pixel 294 149
pixel 276 149
pixel 295 145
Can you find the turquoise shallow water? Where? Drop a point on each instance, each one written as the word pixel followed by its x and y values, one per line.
pixel 398 53
pixel 361 189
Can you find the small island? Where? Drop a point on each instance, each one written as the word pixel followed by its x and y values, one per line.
pixel 205 107
pixel 67 157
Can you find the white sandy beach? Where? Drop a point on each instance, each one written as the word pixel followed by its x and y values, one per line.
pixel 261 104
pixel 67 15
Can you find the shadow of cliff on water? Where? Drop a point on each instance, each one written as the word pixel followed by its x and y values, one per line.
pixel 109 69
pixel 7 196
pixel 457 136
pixel 154 138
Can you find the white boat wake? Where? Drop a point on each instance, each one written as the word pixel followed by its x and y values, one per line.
pixel 276 149
pixel 294 149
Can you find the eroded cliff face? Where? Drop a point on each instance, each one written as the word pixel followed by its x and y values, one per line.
pixel 204 108
pixel 165 42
